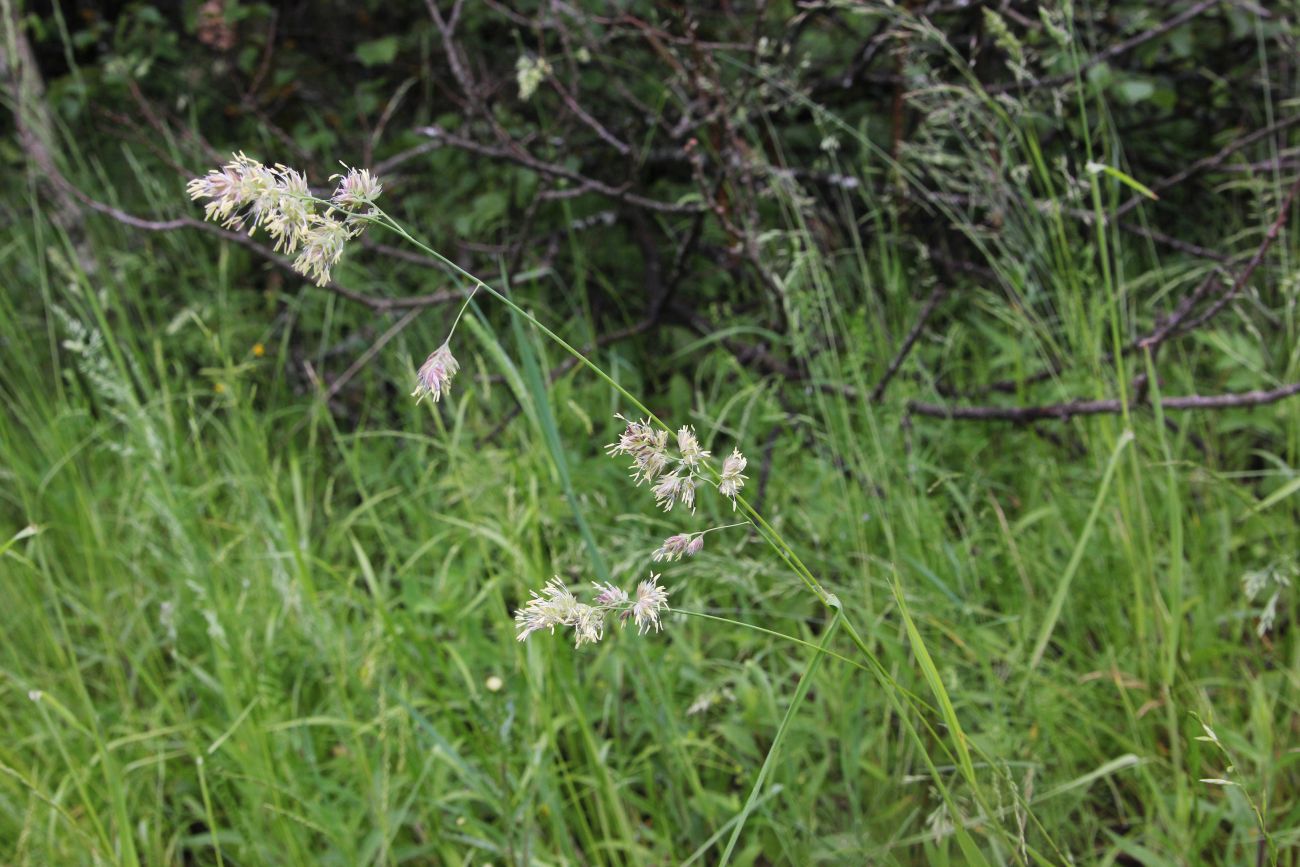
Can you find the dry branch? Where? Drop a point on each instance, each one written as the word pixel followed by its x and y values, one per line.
pixel 1071 409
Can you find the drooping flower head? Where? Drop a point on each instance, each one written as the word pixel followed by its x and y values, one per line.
pixel 679 546
pixel 322 247
pixel 435 375
pixel 732 477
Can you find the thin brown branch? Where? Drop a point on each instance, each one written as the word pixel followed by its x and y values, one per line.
pixel 1072 409
pixel 596 126
pixel 1209 162
pixel 527 160
pixel 936 295
pixel 362 360
pixel 1119 48
pixel 1181 324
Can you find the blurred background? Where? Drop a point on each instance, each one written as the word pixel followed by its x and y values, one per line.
pixel 926 264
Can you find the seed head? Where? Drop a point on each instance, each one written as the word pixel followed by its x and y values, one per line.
pixel 588 624
pixel 289 218
pixel 732 478
pixel 608 595
pixel 647 447
pixel 650 600
pixel 242 191
pixel 681 545
pixel 689 446
pixel 244 194
pixel 357 190
pixel 554 606
pixel 434 376
pixel 675 488
pixel 322 247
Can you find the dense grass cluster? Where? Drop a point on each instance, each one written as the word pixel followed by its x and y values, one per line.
pixel 253 619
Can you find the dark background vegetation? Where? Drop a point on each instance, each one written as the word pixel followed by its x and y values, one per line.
pixel 923 261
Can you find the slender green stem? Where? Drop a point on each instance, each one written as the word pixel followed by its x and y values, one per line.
pixel 723 527
pixel 461 312
pixel 800 691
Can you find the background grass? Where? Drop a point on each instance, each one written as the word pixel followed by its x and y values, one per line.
pixel 245 626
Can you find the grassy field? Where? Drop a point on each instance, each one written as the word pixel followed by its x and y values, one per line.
pixel 243 625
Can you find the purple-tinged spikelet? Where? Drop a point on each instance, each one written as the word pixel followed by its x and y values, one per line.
pixel 650 600
pixel 357 190
pixel 435 375
pixel 556 606
pixel 679 546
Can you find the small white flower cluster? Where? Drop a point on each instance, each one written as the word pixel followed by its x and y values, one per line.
pixel 246 194
pixel 674 477
pixel 530 72
pixel 556 606
pixel 434 376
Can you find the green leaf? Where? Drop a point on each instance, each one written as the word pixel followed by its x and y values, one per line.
pixel 1134 90
pixel 1126 179
pixel 377 52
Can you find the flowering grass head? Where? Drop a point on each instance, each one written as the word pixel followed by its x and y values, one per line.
pixel 245 194
pixel 435 375
pixel 732 478
pixel 555 607
pixel 647 447
pixel 675 474
pixel 357 190
pixel 650 600
pixel 679 546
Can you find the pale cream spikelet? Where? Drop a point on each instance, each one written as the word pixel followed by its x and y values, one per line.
pixel 689 448
pixel 674 488
pixel 732 478
pixel 322 247
pixel 556 606
pixel 245 194
pixel 647 447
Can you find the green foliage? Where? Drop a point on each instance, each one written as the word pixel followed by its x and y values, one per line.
pixel 245 624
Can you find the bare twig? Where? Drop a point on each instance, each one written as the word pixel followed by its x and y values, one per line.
pixel 936 295
pixel 1182 322
pixel 527 160
pixel 1209 162
pixel 355 367
pixel 596 126
pixel 1110 53
pixel 1071 409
